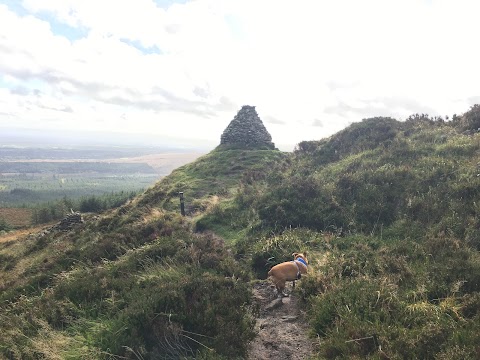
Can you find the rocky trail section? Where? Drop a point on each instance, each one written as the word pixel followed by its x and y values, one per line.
pixel 282 330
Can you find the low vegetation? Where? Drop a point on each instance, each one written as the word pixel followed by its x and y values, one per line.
pixel 387 210
pixel 395 207
pixel 123 285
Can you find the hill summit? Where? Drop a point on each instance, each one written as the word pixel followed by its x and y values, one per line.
pixel 246 130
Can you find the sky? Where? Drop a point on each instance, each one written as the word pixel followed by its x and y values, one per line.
pixel 179 70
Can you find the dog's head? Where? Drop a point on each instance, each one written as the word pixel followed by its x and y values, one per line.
pixel 301 256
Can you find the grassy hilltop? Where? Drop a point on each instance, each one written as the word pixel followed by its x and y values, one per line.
pixel 389 212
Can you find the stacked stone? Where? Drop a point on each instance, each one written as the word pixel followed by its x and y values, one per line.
pixel 246 130
pixel 69 221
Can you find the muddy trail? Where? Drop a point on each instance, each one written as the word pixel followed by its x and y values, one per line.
pixel 282 330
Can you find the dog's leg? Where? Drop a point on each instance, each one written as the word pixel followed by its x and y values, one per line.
pixel 277 287
pixel 280 284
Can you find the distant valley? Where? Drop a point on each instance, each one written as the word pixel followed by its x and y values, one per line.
pixel 32 176
pixel 161 162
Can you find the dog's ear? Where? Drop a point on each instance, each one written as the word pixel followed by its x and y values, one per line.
pixel 305 254
pixel 294 254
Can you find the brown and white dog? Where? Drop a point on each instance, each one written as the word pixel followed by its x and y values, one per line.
pixel 288 271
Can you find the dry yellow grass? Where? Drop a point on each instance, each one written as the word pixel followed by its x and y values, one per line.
pixel 20 234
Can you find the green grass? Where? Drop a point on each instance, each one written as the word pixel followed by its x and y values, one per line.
pixel 216 174
pixel 387 211
pixel 145 285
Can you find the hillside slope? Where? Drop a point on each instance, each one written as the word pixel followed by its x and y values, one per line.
pixel 395 205
pixel 136 281
pixel 390 208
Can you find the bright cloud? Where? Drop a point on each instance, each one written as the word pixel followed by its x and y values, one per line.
pixel 183 69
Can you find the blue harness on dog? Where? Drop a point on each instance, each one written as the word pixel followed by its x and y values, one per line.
pixel 300 260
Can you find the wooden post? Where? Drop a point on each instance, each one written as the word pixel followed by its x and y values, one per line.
pixel 182 204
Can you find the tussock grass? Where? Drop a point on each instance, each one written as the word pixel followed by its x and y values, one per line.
pixel 150 284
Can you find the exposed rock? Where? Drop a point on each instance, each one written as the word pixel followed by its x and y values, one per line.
pixel 246 130
pixel 274 304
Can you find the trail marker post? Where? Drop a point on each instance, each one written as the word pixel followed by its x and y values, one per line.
pixel 182 203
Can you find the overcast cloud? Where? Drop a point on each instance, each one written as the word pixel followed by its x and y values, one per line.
pixel 182 69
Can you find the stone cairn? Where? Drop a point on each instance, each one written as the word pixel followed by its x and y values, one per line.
pixel 246 130
pixel 69 222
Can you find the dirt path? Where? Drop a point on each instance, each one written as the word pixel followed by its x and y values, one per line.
pixel 281 326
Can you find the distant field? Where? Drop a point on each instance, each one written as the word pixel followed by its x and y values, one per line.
pixel 163 163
